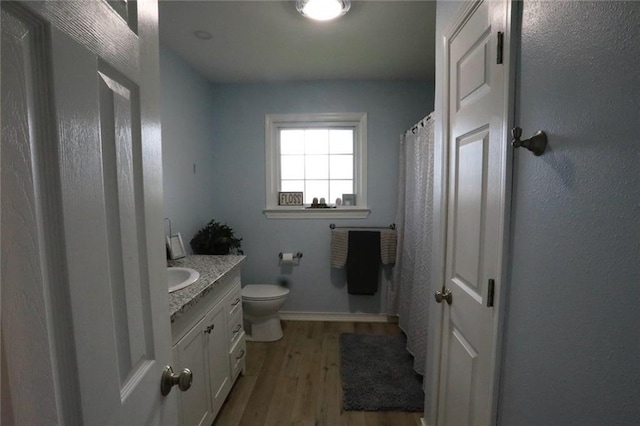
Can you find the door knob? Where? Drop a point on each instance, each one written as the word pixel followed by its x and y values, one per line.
pixel 169 379
pixel 445 294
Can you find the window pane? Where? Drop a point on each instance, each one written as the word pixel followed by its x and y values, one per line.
pixel 339 187
pixel 341 167
pixel 292 186
pixel 341 141
pixel 316 141
pixel 316 188
pixel 292 167
pixel 316 167
pixel 292 141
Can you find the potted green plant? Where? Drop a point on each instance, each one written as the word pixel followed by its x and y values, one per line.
pixel 215 238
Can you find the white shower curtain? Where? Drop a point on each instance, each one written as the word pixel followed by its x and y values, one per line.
pixel 409 290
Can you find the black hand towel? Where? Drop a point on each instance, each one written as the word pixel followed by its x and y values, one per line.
pixel 363 262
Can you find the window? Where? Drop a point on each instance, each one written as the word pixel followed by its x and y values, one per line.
pixel 317 162
pixel 320 155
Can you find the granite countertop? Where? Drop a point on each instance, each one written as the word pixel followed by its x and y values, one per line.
pixel 211 269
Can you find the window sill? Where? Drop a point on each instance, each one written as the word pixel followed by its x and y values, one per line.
pixel 302 213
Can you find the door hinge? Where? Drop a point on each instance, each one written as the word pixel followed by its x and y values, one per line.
pixel 491 292
pixel 500 47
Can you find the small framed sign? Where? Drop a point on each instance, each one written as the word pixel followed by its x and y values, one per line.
pixel 290 198
pixel 348 199
pixel 175 246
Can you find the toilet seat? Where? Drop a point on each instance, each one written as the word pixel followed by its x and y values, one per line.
pixel 259 292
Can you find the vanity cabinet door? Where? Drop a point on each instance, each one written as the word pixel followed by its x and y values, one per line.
pixel 195 405
pixel 214 349
pixel 217 353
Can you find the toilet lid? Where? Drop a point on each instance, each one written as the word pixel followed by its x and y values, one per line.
pixel 263 291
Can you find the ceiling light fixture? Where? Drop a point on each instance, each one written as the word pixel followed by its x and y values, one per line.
pixel 323 10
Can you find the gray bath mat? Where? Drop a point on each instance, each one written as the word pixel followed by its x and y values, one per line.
pixel 377 374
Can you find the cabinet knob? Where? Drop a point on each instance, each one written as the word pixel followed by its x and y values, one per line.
pixel 209 329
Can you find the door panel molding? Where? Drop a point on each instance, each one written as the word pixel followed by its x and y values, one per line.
pixel 117 50
pixel 36 297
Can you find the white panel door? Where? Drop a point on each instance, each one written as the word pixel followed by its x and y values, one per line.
pixel 82 203
pixel 475 214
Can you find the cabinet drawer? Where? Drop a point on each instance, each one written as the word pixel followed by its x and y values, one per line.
pixel 235 328
pixel 234 301
pixel 237 356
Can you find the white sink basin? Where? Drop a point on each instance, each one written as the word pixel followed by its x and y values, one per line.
pixel 178 278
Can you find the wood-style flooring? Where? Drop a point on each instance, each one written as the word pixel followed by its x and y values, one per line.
pixel 296 381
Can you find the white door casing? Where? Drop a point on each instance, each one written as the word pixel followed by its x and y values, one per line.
pixel 84 302
pixel 477 172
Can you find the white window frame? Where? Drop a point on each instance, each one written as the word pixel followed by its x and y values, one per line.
pixel 274 122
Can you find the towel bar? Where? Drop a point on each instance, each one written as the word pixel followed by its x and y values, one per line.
pixel 392 226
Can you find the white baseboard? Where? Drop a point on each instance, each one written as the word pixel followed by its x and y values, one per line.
pixel 336 316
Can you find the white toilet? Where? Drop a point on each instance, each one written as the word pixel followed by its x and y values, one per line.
pixel 260 306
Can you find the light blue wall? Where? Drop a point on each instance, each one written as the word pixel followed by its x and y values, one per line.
pixel 187 139
pixel 571 345
pixel 238 185
pixel 220 128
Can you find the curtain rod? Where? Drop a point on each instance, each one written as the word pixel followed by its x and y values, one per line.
pixel 420 124
pixel 392 226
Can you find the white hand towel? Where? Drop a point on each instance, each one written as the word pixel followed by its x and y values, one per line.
pixel 388 242
pixel 339 248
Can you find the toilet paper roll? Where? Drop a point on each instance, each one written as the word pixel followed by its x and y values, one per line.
pixel 287 258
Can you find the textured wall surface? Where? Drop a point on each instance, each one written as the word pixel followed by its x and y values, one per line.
pixel 187 129
pixel 572 346
pixel 239 180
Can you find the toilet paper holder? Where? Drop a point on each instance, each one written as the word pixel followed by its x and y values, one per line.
pixel 298 255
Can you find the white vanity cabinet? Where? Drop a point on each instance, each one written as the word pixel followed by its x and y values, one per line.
pixel 208 341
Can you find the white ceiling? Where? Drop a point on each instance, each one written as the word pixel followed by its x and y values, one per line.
pixel 260 41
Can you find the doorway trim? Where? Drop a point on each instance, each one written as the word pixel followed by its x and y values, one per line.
pixel 511 15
